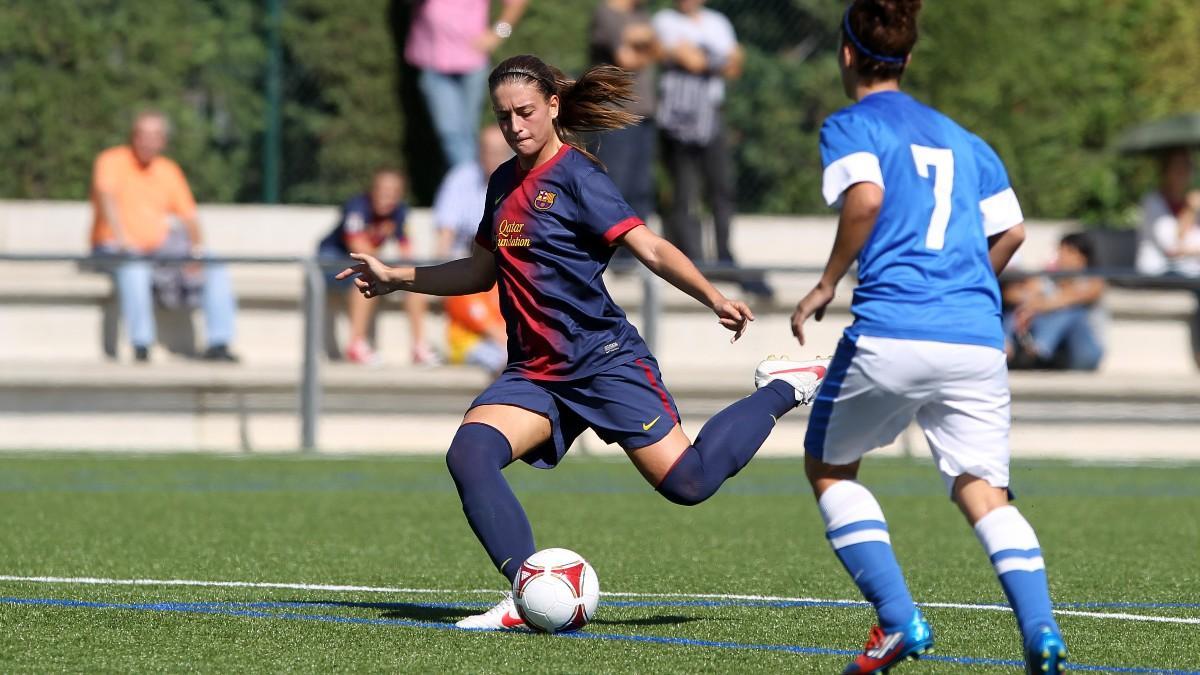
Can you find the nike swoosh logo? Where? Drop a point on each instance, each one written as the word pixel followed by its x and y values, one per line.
pixel 819 371
pixel 510 621
pixel 646 425
pixel 498 200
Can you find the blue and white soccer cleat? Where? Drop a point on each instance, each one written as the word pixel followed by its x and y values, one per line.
pixel 804 376
pixel 885 650
pixel 1046 653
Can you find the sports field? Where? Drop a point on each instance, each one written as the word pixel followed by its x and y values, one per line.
pixel 742 583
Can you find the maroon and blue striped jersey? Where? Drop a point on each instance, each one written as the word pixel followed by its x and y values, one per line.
pixel 552 230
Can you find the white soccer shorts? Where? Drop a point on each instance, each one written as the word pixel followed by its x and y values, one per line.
pixel 876 386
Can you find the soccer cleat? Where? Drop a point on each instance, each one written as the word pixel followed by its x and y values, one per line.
pixel 804 376
pixel 885 650
pixel 503 616
pixel 1046 653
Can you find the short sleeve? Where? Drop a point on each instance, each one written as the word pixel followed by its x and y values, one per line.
pixel 721 38
pixel 848 155
pixel 104 173
pixel 354 218
pixel 664 24
pixel 997 201
pixel 183 204
pixel 602 209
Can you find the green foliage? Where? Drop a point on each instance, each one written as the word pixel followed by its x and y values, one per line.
pixel 341 120
pixel 73 71
pixel 1049 83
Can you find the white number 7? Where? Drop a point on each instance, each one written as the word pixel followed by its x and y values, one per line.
pixel 943 187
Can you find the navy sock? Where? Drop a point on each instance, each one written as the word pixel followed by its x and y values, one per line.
pixel 726 444
pixel 475 459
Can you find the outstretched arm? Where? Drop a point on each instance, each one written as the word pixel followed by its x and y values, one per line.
pixel 457 277
pixel 860 208
pixel 668 262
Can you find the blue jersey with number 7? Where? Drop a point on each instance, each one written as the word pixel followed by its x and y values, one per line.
pixel 924 273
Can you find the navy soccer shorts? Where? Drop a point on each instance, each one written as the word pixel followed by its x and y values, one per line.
pixel 627 405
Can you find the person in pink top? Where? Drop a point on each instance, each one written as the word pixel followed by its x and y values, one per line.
pixel 449 41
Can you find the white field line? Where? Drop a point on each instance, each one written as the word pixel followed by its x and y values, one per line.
pixel 337 588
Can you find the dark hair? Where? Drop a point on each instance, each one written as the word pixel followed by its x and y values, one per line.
pixel 586 104
pixel 1081 242
pixel 883 33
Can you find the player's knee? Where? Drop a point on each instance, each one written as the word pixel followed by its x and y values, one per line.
pixel 685 484
pixel 477 447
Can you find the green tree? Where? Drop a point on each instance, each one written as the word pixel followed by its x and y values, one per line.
pixel 72 72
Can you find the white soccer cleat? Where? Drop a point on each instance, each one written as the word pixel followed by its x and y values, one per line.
pixel 503 616
pixel 804 376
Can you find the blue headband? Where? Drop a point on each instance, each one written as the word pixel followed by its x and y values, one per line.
pixel 863 49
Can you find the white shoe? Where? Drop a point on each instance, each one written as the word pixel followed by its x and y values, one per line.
pixel 501 617
pixel 804 376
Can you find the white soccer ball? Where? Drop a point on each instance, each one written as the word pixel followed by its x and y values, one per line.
pixel 556 591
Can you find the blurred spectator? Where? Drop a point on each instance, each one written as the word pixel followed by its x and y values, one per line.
pixel 1169 238
pixel 134 192
pixel 475 332
pixel 621 35
pixel 700 52
pixel 367 222
pixel 458 205
pixel 449 42
pixel 1055 323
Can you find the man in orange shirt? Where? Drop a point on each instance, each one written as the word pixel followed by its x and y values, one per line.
pixel 134 192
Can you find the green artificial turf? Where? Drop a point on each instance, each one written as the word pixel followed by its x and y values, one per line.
pixel 1109 534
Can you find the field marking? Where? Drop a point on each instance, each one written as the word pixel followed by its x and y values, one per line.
pixel 200 608
pixel 338 588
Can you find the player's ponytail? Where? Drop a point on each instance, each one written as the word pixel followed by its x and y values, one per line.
pixel 584 105
pixel 883 33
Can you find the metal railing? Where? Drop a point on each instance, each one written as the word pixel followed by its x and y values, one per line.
pixel 314 292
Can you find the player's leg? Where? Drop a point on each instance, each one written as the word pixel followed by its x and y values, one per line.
pixel 639 413
pixel 967 429
pixel 869 397
pixel 490 438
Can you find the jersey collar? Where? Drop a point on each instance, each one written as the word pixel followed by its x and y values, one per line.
pixel 536 171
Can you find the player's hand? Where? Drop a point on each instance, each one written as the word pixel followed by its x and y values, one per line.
pixel 734 315
pixel 371 277
pixel 813 305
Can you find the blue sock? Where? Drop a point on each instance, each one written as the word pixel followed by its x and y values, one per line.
pixel 475 459
pixel 858 533
pixel 1017 556
pixel 726 444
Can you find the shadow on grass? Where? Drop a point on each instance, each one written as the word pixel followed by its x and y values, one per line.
pixel 404 610
pixel 450 613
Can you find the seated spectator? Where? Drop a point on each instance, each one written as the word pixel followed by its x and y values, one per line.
pixel 1169 237
pixel 135 189
pixel 367 222
pixel 475 332
pixel 1054 323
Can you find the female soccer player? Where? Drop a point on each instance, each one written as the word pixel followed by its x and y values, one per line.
pixel 928 213
pixel 551 219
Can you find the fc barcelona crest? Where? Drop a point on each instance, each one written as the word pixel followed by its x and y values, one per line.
pixel 544 200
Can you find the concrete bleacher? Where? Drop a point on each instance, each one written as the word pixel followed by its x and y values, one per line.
pixel 58 390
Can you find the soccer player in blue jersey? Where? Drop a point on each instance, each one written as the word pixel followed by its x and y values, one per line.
pixel 551 220
pixel 928 214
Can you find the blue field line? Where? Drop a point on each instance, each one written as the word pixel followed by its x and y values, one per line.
pixel 767 604
pixel 209 609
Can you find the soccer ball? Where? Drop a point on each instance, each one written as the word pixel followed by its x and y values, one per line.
pixel 556 591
